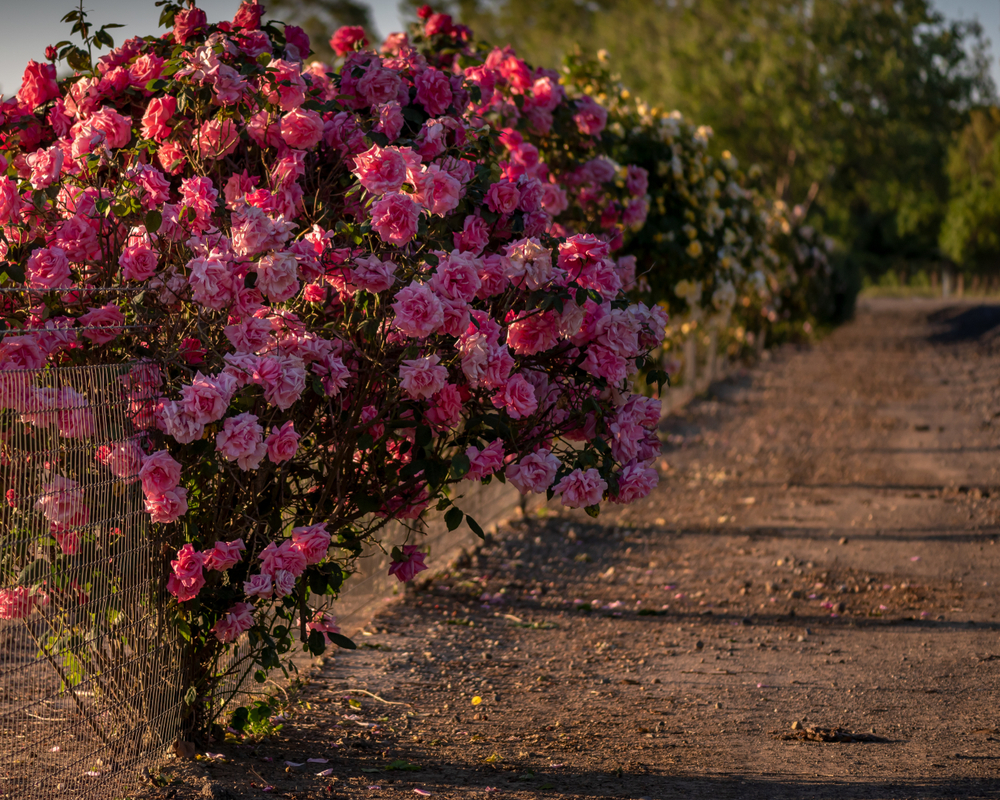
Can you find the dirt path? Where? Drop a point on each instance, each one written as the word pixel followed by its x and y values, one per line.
pixel 821 551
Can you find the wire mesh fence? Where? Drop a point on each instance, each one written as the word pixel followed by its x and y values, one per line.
pixel 89 666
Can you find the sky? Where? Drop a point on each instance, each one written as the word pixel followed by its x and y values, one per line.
pixel 30 25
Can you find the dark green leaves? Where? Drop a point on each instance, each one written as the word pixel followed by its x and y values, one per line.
pixel 453 518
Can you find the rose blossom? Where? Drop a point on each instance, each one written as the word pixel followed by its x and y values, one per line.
pixel 259 585
pixel 433 91
pixel 312 541
pixel 534 472
pixel 237 620
pixel 409 565
pixel 241 440
pixel 302 129
pixel 418 311
pixel 156 119
pixel 380 170
pixel 277 276
pixel 324 623
pixel 372 274
pixel 38 85
pixel 486 461
pixel 168 506
pixel 635 482
pixel 159 473
pixel 283 443
pixel 46 165
pixel 283 558
pixel 421 378
pixel 187 578
pixel 346 38
pixel 503 197
pixel 590 116
pixel 48 268
pixel 394 218
pixel 518 397
pixel 62 502
pixel 16 603
pixel 206 398
pixel 138 263
pixel 224 555
pixel 580 489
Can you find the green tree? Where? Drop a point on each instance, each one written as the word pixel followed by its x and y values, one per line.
pixel 852 103
pixel 971 231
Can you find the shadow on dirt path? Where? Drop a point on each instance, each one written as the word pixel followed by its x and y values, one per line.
pixel 821 554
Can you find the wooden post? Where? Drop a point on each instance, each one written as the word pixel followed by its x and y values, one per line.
pixel 690 362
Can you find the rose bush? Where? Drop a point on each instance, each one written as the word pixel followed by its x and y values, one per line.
pixel 341 290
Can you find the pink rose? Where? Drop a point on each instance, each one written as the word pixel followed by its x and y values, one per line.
pixel 236 621
pixel 456 276
pixel 102 325
pixel 590 116
pixel 347 39
pixel 248 16
pixel 278 276
pixel 372 274
pixel 46 165
pixel 138 263
pixel 486 461
pixel 216 139
pixel 38 85
pixel 312 541
pixel 580 489
pixel 437 190
pixel 534 472
pixel 159 473
pixel 48 268
pixel 206 398
pixel 605 363
pixel 157 117
pixel 446 408
pixel 407 563
pixel 634 483
pixel 224 555
pixel 62 502
pixel 241 440
pixel 283 379
pixel 390 121
pixel 283 443
pixel 10 200
pixel 169 506
pixel 503 197
pixel 283 582
pixel 16 603
pixel 533 333
pixel 474 237
pixel 378 86
pixel 258 586
pixel 394 218
pixel 187 578
pixel 302 129
pixel 421 378
pixel 288 89
pixel 517 396
pixel 418 311
pixel 124 459
pixel 287 558
pixel 380 170
pixel 637 181
pixel 433 91
pixel 211 278
pixel 188 23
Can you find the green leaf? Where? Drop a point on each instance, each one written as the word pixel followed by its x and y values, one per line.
pixel 34 573
pixel 475 527
pixel 240 718
pixel 15 272
pixel 460 466
pixel 342 641
pixel 153 221
pixel 593 511
pixel 454 518
pixel 317 643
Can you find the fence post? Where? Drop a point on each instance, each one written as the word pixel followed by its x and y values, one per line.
pixel 946 283
pixel 712 365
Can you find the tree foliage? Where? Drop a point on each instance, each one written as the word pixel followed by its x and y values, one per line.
pixel 853 102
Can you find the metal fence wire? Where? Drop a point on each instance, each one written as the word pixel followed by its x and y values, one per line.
pixel 89 666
